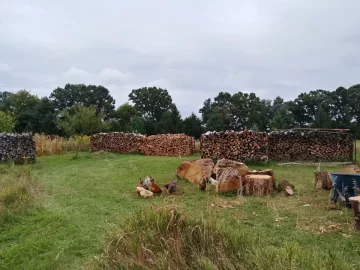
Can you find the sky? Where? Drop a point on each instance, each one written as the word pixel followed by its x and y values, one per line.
pixel 194 49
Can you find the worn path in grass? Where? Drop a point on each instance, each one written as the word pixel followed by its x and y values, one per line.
pixel 83 198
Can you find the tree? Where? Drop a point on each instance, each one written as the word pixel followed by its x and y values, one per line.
pixel 46 116
pixel 151 102
pixel 127 119
pixel 192 126
pixel 91 95
pixel 7 122
pixel 80 120
pixel 171 121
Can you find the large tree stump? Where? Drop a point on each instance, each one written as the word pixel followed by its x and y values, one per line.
pixel 199 170
pixel 269 172
pixel 229 180
pixel 355 204
pixel 226 163
pixel 323 180
pixel 184 167
pixel 259 185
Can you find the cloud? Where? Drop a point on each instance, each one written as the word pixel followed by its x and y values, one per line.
pixel 194 49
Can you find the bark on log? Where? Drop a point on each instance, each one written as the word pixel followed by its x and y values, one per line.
pixel 323 180
pixel 285 187
pixel 355 204
pixel 200 169
pixel 301 145
pixel 19 148
pixel 229 180
pixel 259 185
pixel 184 167
pixel 239 146
pixel 225 163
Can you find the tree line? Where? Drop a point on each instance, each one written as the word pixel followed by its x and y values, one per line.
pixel 86 109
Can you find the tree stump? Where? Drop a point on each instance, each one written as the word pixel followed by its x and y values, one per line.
pixel 259 185
pixel 269 172
pixel 184 167
pixel 200 169
pixel 355 204
pixel 323 180
pixel 285 187
pixel 229 180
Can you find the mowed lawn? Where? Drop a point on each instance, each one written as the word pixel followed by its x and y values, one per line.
pixel 82 200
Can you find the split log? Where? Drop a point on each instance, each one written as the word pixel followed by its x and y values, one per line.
pixel 226 163
pixel 239 146
pixel 323 180
pixel 355 204
pixel 229 180
pixel 117 142
pixel 19 148
pixel 308 145
pixel 259 185
pixel 184 167
pixel 285 187
pixel 200 169
pixel 168 145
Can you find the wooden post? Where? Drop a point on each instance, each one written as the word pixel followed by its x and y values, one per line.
pixel 355 204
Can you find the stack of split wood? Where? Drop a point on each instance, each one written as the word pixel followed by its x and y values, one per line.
pixel 117 142
pixel 240 146
pixel 308 145
pixel 168 145
pixel 19 148
pixel 228 175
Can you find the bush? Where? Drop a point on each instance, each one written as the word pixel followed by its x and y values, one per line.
pixel 18 189
pixel 165 239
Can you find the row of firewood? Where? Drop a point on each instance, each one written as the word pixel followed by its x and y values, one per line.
pixel 18 148
pixel 155 145
pixel 310 145
pixel 246 145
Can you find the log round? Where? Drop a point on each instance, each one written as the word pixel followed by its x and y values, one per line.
pixel 259 185
pixel 226 163
pixel 229 180
pixel 200 169
pixel 184 167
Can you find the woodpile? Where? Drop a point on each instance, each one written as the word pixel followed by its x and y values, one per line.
pixel 117 142
pixel 308 145
pixel 323 180
pixel 168 145
pixel 239 146
pixel 19 148
pixel 259 185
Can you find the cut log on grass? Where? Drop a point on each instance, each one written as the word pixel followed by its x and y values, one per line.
pixel 200 169
pixel 259 185
pixel 323 180
pixel 229 179
pixel 239 146
pixel 285 187
pixel 184 167
pixel 226 163
pixel 355 204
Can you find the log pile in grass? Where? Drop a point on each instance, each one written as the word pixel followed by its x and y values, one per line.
pixel 239 146
pixel 308 145
pixel 19 148
pixel 168 145
pixel 117 142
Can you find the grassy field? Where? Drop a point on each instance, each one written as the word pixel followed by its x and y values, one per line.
pixel 82 201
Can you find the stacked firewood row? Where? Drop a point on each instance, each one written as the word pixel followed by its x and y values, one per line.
pixel 310 146
pixel 117 142
pixel 19 148
pixel 168 145
pixel 155 145
pixel 240 146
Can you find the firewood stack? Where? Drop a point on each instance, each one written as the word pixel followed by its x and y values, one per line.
pixel 305 145
pixel 239 146
pixel 19 148
pixel 168 145
pixel 117 142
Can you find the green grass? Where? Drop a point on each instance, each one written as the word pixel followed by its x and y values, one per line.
pixel 85 199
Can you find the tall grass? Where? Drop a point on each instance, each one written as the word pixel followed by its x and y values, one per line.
pixel 18 188
pixel 164 238
pixel 56 145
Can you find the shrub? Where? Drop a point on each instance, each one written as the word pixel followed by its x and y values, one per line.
pixel 18 188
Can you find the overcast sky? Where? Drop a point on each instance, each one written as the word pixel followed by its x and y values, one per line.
pixel 194 49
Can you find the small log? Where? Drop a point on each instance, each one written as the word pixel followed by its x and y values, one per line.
pixel 285 187
pixel 259 185
pixel 355 204
pixel 323 180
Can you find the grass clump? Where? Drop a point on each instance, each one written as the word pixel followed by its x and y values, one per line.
pixel 18 188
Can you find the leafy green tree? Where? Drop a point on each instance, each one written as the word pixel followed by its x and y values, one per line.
pixel 7 122
pixel 171 121
pixel 80 120
pixel 192 126
pixel 91 95
pixel 127 119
